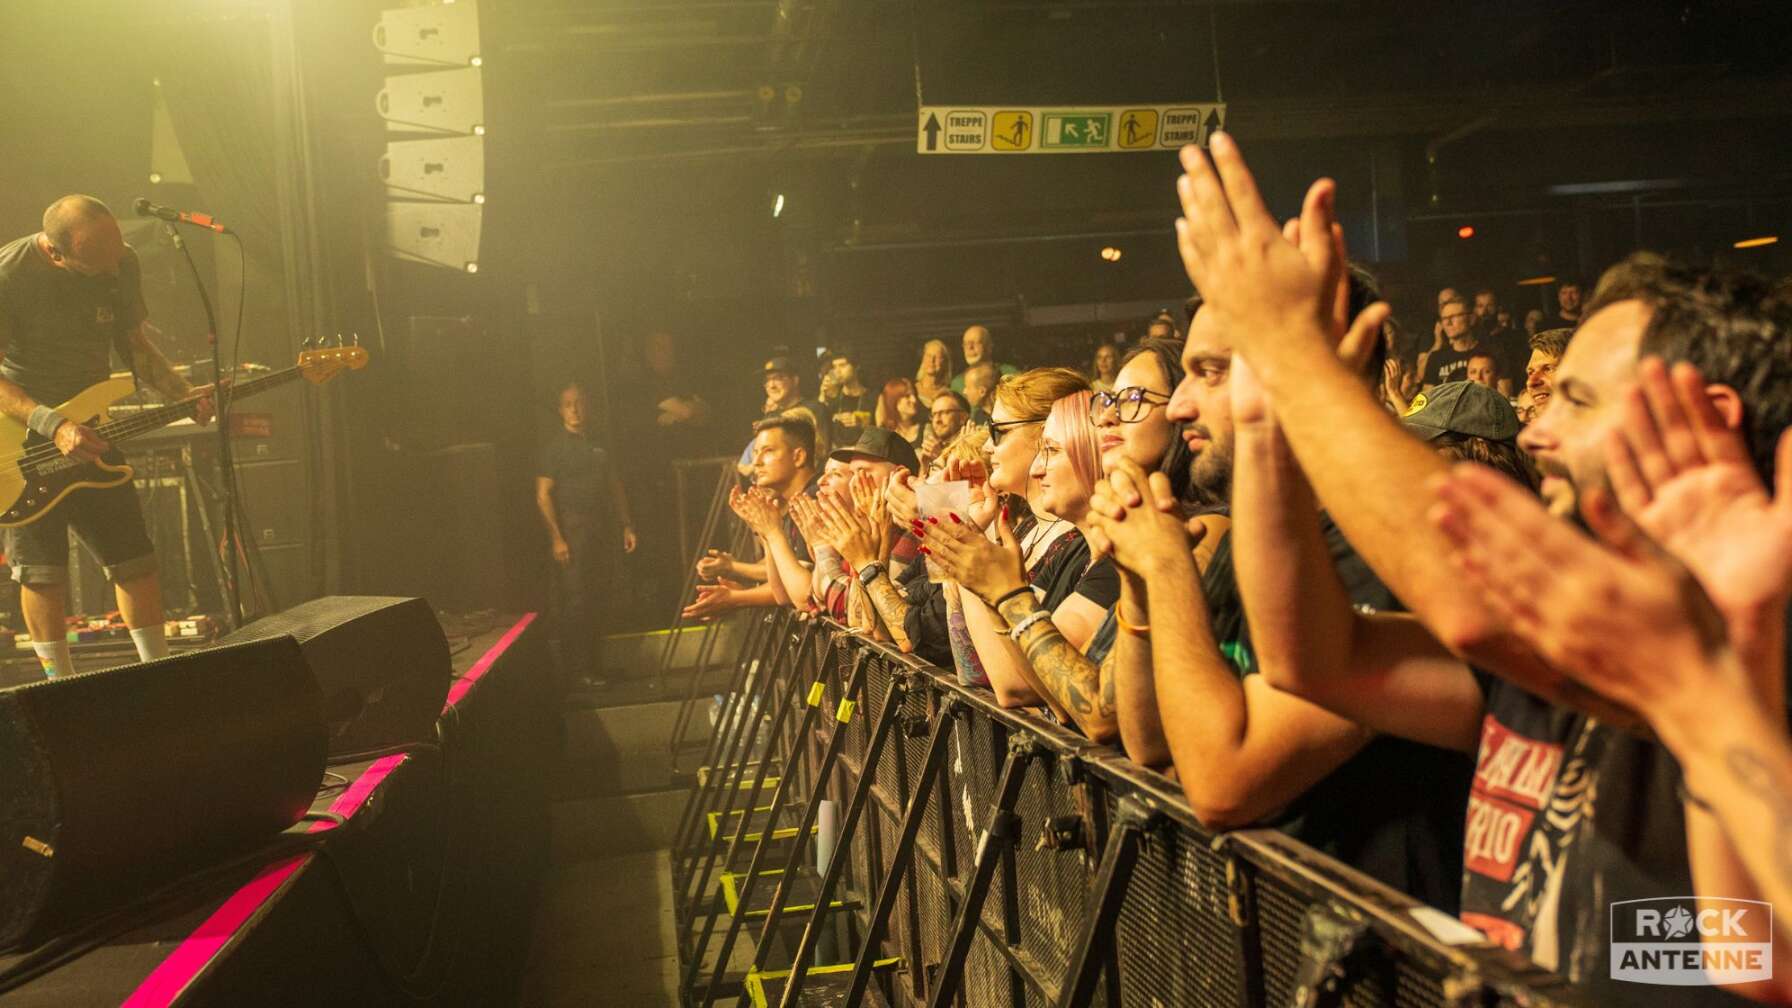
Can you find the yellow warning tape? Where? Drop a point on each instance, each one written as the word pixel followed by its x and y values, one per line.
pixel 815 694
pixel 844 714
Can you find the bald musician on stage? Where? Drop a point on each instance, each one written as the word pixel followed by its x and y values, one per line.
pixel 69 296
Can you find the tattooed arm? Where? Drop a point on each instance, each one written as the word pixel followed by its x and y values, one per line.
pixel 1738 798
pixel 891 608
pixel 1073 680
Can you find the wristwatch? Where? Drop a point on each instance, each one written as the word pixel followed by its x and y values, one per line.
pixel 870 572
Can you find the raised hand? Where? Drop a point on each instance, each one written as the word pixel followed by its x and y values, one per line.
pixel 986 503
pixel 1239 259
pixel 1686 478
pixel 1621 621
pixel 964 554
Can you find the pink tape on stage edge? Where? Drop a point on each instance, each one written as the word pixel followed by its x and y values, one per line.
pixel 167 981
pixel 165 984
pixel 486 661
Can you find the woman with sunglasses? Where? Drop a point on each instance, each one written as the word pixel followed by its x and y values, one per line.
pixel 1029 630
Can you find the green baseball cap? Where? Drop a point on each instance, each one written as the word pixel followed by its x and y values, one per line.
pixel 1462 407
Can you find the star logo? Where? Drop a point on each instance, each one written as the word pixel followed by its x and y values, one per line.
pixel 1678 922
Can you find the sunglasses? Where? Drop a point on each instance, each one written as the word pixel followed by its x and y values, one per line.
pixel 997 431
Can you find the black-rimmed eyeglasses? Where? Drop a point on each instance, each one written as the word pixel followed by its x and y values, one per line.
pixel 998 430
pixel 1135 402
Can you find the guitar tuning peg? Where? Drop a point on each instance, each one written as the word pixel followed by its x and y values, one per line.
pixel 357 338
pixel 339 339
pixel 305 344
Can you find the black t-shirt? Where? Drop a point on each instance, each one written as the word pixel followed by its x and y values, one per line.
pixel 1393 810
pixel 1064 571
pixel 580 469
pixel 840 404
pixel 1558 321
pixel 1511 350
pixel 1566 817
pixel 58 328
pixel 1448 365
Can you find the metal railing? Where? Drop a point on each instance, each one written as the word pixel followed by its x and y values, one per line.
pixel 861 804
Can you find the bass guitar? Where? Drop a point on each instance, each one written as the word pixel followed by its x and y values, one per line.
pixel 35 475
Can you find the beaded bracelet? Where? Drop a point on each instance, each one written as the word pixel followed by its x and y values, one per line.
pixel 1026 623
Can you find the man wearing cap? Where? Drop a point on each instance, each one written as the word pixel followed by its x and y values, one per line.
pixel 1468 421
pixel 878 453
pixel 783 389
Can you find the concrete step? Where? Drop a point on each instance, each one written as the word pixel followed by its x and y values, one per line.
pixel 645 651
pixel 606 825
pixel 629 732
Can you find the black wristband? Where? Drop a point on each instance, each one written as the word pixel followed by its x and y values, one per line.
pixel 1023 589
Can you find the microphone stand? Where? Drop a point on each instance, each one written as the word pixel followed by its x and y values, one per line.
pixel 233 617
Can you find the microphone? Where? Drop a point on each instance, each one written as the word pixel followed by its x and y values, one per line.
pixel 147 209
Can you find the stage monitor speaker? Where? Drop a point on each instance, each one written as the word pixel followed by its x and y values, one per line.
pixel 381 662
pixel 118 782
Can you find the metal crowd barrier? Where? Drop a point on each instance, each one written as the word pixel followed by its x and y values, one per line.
pixel 908 842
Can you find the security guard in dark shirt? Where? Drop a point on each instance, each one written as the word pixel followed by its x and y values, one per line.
pixel 582 502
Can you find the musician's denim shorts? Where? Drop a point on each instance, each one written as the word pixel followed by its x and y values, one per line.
pixel 109 521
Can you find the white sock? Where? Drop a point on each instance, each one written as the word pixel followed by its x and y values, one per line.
pixel 151 641
pixel 54 657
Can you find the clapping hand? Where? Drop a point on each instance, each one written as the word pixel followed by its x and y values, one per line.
pixel 1621 624
pixel 757 508
pixel 715 564
pixel 849 531
pixel 964 554
pixel 1687 480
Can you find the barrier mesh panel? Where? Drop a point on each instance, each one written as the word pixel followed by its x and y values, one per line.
pixel 1175 940
pixel 1051 886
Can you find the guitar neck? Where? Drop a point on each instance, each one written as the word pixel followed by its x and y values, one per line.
pixel 161 416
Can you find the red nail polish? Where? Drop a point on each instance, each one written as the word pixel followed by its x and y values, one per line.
pixel 955 519
pixel 926 551
pixel 1004 511
pixel 935 521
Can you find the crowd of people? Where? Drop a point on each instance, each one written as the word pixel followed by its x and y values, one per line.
pixel 1503 627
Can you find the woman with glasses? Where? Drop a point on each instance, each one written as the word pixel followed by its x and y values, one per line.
pixel 1029 623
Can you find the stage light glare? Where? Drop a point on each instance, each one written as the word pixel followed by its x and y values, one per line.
pixel 472 267
pixel 477 61
pixel 1749 243
pixel 155 178
pixel 1537 281
pixel 778 205
pixel 1111 254
pixel 479 198
pixel 479 131
pixel 1466 231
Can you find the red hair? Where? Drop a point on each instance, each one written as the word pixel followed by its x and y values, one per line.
pixel 888 416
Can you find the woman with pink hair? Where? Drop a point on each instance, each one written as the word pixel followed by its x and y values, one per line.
pixel 1023 634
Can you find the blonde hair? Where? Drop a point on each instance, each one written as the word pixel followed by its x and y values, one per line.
pixel 1030 394
pixel 945 376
